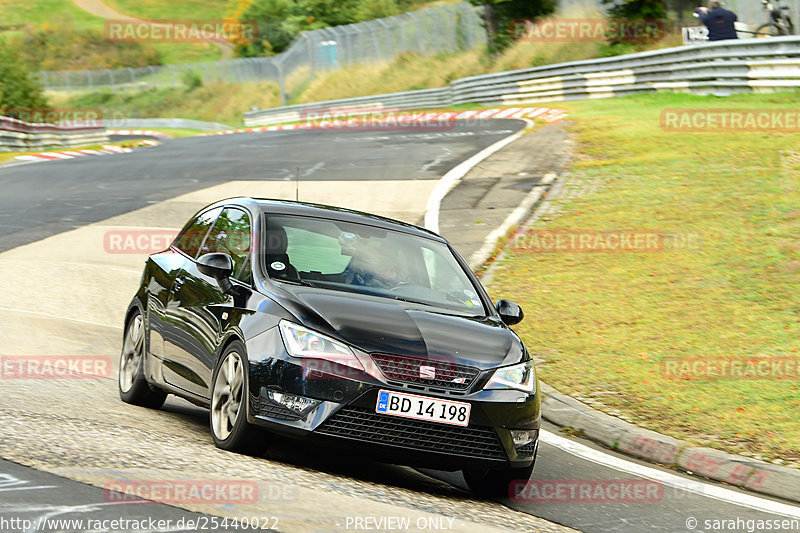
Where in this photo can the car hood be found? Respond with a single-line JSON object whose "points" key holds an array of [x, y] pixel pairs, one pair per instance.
{"points": [[381, 325]]}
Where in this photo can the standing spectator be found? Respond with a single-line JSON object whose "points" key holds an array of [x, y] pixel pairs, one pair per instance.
{"points": [[719, 22]]}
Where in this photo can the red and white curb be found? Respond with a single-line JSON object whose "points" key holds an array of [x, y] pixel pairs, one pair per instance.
{"points": [[546, 114], [71, 154], [148, 133]]}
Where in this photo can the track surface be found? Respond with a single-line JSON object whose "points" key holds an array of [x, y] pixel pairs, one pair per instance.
{"points": [[81, 430], [60, 195]]}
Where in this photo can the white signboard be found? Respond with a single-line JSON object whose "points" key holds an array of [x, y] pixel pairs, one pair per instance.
{"points": [[694, 34]]}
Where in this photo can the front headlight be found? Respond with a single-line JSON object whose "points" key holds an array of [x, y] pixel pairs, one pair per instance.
{"points": [[521, 377], [305, 343]]}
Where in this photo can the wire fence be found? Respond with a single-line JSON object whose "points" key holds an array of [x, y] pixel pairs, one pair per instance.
{"points": [[449, 28]]}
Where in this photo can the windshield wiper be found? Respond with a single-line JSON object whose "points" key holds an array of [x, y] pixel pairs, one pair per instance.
{"points": [[409, 300], [302, 282]]}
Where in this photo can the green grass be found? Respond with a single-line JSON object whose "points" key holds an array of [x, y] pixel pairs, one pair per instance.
{"points": [[603, 322], [180, 9], [46, 12], [50, 14], [218, 102], [178, 132]]}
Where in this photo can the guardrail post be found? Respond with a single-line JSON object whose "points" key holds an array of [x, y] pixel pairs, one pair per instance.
{"points": [[434, 31], [310, 52], [419, 29], [389, 52], [281, 86]]}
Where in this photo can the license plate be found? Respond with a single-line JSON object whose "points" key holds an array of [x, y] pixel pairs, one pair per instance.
{"points": [[423, 408]]}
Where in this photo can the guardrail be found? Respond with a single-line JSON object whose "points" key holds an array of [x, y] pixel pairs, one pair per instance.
{"points": [[19, 136], [720, 68], [156, 123]]}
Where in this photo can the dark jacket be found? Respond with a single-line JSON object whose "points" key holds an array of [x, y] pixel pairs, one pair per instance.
{"points": [[719, 22]]}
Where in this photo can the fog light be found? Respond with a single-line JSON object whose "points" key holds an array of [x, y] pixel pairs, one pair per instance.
{"points": [[300, 404], [521, 437]]}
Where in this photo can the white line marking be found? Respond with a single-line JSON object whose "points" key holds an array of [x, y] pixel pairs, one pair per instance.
{"points": [[58, 317], [449, 180], [703, 489], [513, 219]]}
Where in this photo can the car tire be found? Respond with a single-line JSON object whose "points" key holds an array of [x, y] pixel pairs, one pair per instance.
{"points": [[495, 483], [133, 387], [228, 417]]}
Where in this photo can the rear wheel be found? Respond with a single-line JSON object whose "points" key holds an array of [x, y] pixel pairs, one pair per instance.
{"points": [[229, 425], [495, 483], [133, 387]]}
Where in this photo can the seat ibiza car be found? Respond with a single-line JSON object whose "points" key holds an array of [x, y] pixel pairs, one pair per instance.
{"points": [[318, 322]]}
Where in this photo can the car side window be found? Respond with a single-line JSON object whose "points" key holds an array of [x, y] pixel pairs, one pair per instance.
{"points": [[440, 272], [231, 235], [192, 235]]}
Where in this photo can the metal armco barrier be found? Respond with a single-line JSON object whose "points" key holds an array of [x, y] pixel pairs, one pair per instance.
{"points": [[19, 136], [720, 68]]}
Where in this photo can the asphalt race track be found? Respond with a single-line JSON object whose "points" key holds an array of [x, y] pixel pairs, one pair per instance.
{"points": [[65, 294]]}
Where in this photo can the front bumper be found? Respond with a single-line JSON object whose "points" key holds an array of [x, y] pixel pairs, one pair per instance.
{"points": [[346, 415]]}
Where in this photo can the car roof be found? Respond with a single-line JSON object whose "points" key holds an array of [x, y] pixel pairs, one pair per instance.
{"points": [[289, 207]]}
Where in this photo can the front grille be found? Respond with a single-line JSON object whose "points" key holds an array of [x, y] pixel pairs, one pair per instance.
{"points": [[270, 409], [407, 370], [364, 425], [527, 449]]}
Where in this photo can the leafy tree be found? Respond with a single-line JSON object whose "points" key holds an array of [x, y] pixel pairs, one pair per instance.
{"points": [[499, 15], [636, 9], [17, 88], [279, 21]]}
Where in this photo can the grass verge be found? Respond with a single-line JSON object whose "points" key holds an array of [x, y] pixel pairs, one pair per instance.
{"points": [[605, 324], [217, 102]]}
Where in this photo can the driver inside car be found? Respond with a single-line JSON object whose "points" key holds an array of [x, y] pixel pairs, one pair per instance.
{"points": [[376, 267]]}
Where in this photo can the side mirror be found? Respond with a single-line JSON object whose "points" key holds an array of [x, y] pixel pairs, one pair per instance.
{"points": [[219, 267], [509, 312]]}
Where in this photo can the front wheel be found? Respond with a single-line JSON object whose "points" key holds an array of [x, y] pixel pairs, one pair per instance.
{"points": [[229, 425], [495, 483], [133, 387], [771, 30]]}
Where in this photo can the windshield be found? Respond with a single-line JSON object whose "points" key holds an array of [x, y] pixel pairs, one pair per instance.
{"points": [[368, 260]]}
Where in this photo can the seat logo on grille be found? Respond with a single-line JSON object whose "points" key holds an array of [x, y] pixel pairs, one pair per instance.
{"points": [[427, 372]]}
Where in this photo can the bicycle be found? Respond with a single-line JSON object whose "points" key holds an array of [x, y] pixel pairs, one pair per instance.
{"points": [[780, 23]]}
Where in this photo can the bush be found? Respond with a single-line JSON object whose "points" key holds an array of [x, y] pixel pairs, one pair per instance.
{"points": [[45, 47], [192, 80], [17, 88]]}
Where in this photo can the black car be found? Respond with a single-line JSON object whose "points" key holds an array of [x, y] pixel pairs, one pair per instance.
{"points": [[318, 322]]}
